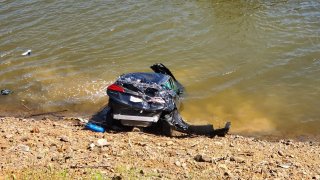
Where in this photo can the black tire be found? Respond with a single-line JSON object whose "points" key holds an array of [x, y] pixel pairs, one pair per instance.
{"points": [[115, 124], [165, 128], [109, 119]]}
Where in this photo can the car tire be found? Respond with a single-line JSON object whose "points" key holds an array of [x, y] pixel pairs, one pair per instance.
{"points": [[116, 124], [109, 119], [165, 128]]}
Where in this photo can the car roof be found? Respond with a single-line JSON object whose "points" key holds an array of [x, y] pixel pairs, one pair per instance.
{"points": [[144, 77]]}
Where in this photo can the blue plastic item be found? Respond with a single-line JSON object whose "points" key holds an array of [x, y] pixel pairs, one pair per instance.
{"points": [[94, 127]]}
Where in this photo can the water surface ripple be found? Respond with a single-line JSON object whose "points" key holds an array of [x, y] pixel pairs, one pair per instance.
{"points": [[255, 63]]}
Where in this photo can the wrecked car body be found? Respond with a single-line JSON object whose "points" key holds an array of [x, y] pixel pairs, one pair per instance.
{"points": [[151, 99]]}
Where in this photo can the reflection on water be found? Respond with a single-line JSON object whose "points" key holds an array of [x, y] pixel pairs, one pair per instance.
{"points": [[255, 63]]}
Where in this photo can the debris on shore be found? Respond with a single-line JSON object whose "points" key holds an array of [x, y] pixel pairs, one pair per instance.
{"points": [[5, 92]]}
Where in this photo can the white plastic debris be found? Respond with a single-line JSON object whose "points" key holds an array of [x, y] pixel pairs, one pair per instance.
{"points": [[27, 53]]}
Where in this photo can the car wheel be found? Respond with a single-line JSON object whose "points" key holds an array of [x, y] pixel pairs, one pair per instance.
{"points": [[165, 128], [109, 118]]}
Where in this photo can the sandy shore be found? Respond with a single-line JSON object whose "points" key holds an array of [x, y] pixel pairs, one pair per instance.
{"points": [[55, 149]]}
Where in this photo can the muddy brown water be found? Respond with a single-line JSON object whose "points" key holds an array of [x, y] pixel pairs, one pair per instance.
{"points": [[254, 63]]}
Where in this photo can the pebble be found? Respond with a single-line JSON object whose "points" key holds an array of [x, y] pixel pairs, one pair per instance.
{"points": [[64, 138], [317, 177], [184, 165], [223, 166], [91, 146], [202, 158], [117, 177], [68, 156], [53, 147], [228, 174], [178, 163], [24, 139], [218, 143], [54, 158], [169, 143], [237, 159], [102, 142], [280, 153], [23, 147], [8, 136], [40, 156], [35, 130], [285, 166]]}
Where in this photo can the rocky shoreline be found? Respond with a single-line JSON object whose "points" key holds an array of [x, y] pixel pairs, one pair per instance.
{"points": [[54, 149]]}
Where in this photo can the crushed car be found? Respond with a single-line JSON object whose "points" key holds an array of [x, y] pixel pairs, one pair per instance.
{"points": [[152, 99]]}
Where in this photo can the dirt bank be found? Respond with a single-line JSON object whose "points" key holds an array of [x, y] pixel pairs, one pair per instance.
{"points": [[50, 149]]}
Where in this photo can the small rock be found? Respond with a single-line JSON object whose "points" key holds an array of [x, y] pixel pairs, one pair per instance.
{"points": [[227, 174], [184, 165], [169, 143], [285, 166], [18, 131], [64, 139], [317, 177], [68, 156], [8, 136], [53, 147], [280, 153], [102, 142], [117, 177], [105, 155], [3, 147], [201, 158], [289, 142], [91, 146], [223, 166], [231, 145], [141, 172], [218, 143], [237, 159], [23, 147], [54, 158], [178, 163], [40, 156], [35, 130], [45, 118], [24, 139], [142, 144]]}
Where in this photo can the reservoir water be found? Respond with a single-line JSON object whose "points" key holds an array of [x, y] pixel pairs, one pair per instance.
{"points": [[255, 63]]}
